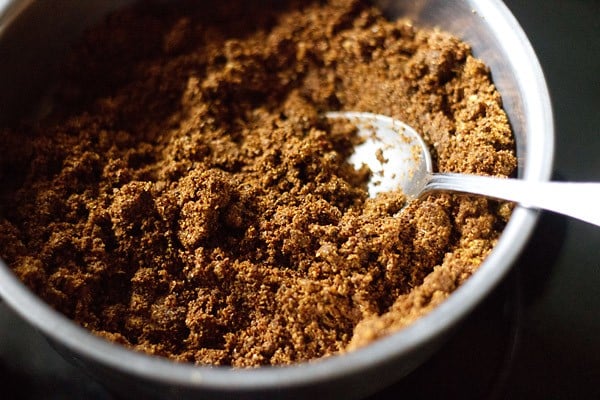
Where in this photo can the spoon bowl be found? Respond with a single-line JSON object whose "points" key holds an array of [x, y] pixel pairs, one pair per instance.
{"points": [[394, 152], [399, 158]]}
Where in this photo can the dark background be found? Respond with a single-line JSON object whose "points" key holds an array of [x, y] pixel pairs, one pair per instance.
{"points": [[560, 349], [538, 335], [559, 354]]}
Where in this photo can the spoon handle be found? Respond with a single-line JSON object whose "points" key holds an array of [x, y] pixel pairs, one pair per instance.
{"points": [[577, 200]]}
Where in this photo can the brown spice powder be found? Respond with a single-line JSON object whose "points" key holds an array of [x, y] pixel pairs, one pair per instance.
{"points": [[186, 199]]}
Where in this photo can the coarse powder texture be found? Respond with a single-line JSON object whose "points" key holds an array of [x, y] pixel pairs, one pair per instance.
{"points": [[186, 198]]}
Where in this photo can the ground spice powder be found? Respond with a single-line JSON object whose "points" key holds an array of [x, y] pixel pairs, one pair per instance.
{"points": [[186, 199]]}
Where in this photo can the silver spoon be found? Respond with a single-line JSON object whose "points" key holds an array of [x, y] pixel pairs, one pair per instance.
{"points": [[398, 158]]}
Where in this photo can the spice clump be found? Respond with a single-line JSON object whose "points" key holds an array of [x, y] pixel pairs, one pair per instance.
{"points": [[186, 199]]}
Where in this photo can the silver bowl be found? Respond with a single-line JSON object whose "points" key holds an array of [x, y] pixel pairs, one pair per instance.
{"points": [[34, 35]]}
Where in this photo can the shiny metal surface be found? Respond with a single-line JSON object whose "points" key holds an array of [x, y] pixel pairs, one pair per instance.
{"points": [[33, 39], [394, 152], [573, 199], [400, 159]]}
